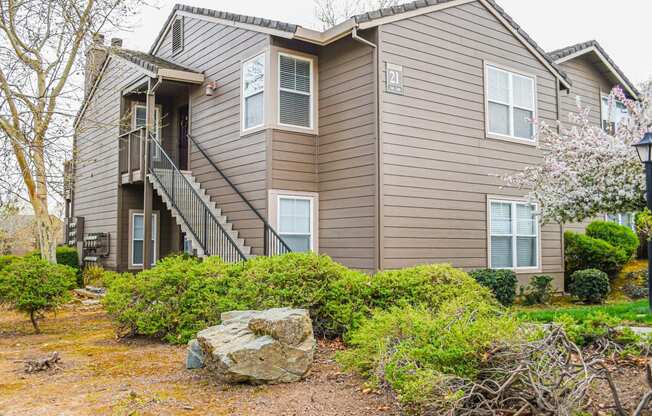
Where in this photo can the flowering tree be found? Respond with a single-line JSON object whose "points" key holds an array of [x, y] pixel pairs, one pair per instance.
{"points": [[587, 171]]}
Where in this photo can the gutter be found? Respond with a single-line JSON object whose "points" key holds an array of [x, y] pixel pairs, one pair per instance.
{"points": [[379, 223]]}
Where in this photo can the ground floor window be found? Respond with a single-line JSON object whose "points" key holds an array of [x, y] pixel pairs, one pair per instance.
{"points": [[514, 235], [137, 233], [626, 219], [295, 222]]}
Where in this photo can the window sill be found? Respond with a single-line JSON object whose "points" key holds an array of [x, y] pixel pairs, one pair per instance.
{"points": [[252, 130], [523, 270], [513, 139], [295, 129]]}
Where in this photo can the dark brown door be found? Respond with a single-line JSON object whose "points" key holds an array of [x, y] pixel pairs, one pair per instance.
{"points": [[183, 138]]}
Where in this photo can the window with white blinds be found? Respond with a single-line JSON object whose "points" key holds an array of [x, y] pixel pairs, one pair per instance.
{"points": [[514, 235], [253, 92], [295, 91], [295, 222], [511, 104]]}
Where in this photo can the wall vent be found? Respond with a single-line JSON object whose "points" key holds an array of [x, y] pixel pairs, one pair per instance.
{"points": [[177, 35]]}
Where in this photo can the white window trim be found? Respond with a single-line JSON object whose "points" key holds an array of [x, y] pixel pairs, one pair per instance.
{"points": [[274, 212], [510, 72], [156, 247], [604, 96], [514, 201], [279, 89], [632, 215], [243, 128]]}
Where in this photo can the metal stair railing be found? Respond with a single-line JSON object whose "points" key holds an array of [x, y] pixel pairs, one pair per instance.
{"points": [[273, 244], [213, 239]]}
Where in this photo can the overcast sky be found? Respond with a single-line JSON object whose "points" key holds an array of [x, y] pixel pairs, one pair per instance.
{"points": [[619, 26]]}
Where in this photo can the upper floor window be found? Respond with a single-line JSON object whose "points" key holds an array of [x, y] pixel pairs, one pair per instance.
{"points": [[295, 91], [514, 230], [253, 87], [511, 103], [612, 114], [139, 119], [624, 218]]}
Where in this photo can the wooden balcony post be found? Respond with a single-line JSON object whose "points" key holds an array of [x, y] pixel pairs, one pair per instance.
{"points": [[147, 186]]}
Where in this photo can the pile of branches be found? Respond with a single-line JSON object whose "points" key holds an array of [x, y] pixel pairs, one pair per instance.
{"points": [[43, 364], [549, 376]]}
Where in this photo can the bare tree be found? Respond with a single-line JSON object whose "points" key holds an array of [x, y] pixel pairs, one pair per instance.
{"points": [[332, 12], [41, 46]]}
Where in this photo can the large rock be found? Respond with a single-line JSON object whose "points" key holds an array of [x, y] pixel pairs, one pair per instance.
{"points": [[271, 346]]}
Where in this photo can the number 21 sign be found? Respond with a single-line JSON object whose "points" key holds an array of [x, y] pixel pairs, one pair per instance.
{"points": [[394, 78]]}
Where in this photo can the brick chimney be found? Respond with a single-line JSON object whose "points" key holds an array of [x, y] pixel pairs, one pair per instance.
{"points": [[95, 56]]}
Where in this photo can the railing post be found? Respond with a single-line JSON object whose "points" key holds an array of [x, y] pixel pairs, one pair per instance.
{"points": [[206, 229], [130, 168], [265, 238]]}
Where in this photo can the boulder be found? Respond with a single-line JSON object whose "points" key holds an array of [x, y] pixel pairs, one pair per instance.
{"points": [[270, 346], [195, 357]]}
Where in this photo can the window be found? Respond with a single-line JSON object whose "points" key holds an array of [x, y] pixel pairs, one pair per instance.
{"points": [[626, 219], [177, 35], [253, 86], [140, 120], [295, 91], [138, 237], [612, 114], [514, 235], [511, 104], [295, 222]]}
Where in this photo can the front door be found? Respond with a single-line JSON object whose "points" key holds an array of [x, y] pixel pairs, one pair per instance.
{"points": [[183, 138]]}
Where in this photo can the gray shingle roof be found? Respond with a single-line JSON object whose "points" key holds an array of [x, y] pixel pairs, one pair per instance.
{"points": [[579, 47], [418, 4], [147, 61]]}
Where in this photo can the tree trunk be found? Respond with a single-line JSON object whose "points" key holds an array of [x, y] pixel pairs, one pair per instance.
{"points": [[46, 234], [34, 319]]}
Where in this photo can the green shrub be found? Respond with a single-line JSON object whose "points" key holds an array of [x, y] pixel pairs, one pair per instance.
{"points": [[583, 252], [414, 350], [93, 275], [66, 256], [355, 295], [33, 286], [7, 260], [590, 286], [501, 282], [617, 235], [539, 291]]}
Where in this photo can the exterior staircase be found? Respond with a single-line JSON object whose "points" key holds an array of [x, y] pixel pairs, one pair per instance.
{"points": [[181, 205]]}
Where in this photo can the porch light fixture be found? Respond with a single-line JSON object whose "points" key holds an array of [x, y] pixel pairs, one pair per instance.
{"points": [[210, 88], [644, 150]]}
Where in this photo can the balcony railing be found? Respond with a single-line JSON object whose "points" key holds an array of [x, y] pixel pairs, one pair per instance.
{"points": [[131, 152]]}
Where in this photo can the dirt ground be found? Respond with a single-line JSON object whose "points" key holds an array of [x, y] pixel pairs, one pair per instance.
{"points": [[102, 376]]}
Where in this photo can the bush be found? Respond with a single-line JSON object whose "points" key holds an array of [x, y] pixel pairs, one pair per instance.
{"points": [[539, 291], [590, 286], [93, 275], [415, 350], [7, 260], [501, 282], [617, 235], [583, 252], [33, 286], [66, 256], [354, 295]]}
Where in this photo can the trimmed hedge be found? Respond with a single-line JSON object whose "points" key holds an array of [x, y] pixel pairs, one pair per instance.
{"points": [[617, 235], [180, 296], [501, 282], [590, 286], [584, 252]]}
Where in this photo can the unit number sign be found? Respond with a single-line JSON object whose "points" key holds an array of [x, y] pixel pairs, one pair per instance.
{"points": [[394, 78]]}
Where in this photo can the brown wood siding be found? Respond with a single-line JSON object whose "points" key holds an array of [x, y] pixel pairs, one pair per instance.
{"points": [[347, 154], [294, 165], [217, 50], [96, 175], [438, 165], [588, 85]]}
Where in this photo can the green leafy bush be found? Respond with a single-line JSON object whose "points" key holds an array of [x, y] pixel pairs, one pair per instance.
{"points": [[33, 286], [355, 295], [414, 350], [582, 252], [539, 291], [7, 260], [590, 286], [67, 256], [617, 235], [501, 282]]}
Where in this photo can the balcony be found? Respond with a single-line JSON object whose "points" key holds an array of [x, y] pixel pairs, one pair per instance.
{"points": [[132, 155]]}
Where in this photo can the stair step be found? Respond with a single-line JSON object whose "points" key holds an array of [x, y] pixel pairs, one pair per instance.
{"points": [[217, 213]]}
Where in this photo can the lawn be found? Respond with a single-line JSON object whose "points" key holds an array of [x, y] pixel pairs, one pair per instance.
{"points": [[635, 313]]}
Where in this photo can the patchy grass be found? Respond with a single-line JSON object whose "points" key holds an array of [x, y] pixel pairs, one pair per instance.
{"points": [[623, 279], [634, 313], [101, 375]]}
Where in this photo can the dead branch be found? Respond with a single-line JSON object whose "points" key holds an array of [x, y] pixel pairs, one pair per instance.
{"points": [[43, 364]]}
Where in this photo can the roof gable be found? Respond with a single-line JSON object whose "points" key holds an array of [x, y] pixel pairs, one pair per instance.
{"points": [[593, 47]]}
